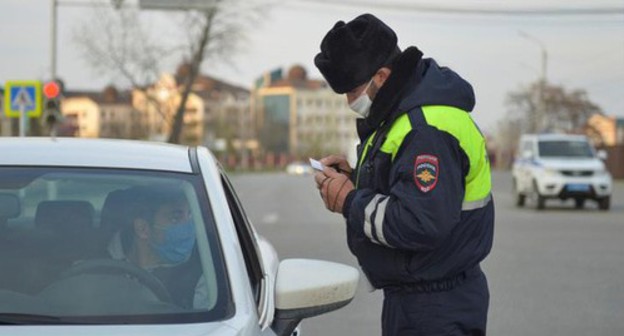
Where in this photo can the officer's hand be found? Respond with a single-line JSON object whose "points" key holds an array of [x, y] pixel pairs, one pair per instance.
{"points": [[334, 188], [338, 162]]}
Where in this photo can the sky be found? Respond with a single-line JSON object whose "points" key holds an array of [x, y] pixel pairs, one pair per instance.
{"points": [[495, 53]]}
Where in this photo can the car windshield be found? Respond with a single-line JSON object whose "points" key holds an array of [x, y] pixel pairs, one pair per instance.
{"points": [[565, 148], [82, 245]]}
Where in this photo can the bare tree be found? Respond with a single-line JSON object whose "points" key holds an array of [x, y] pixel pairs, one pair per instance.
{"points": [[113, 44], [523, 108], [117, 42], [546, 107], [507, 137]]}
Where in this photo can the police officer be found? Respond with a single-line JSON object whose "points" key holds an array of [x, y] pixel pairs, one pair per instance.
{"points": [[418, 205]]}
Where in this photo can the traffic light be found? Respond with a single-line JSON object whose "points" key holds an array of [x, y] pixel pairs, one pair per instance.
{"points": [[52, 92]]}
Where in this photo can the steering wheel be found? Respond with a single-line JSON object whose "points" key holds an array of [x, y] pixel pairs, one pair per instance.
{"points": [[120, 267]]}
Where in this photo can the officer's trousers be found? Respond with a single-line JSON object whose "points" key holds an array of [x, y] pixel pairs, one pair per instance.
{"points": [[461, 310]]}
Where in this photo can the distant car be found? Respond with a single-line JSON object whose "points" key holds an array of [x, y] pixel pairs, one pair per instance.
{"points": [[560, 166], [299, 168], [62, 203]]}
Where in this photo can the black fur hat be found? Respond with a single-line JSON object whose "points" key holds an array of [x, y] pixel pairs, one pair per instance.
{"points": [[352, 52]]}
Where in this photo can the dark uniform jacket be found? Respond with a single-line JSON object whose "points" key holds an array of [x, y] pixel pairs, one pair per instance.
{"points": [[422, 210]]}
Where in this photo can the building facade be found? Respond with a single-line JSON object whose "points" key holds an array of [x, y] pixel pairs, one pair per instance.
{"points": [[605, 130], [118, 118], [227, 117], [325, 124], [158, 105], [214, 112], [302, 117], [81, 116], [103, 114]]}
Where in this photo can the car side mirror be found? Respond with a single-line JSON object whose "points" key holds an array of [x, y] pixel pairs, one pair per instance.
{"points": [[602, 154], [306, 288]]}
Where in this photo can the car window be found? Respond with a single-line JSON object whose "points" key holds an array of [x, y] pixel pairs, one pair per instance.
{"points": [[565, 148], [109, 246]]}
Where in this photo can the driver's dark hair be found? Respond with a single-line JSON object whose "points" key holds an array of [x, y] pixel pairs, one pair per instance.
{"points": [[149, 199], [146, 200]]}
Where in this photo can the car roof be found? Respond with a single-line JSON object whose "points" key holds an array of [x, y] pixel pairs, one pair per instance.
{"points": [[105, 153], [554, 137]]}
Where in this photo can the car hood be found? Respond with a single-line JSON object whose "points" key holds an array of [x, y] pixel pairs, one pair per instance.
{"points": [[189, 329], [571, 164]]}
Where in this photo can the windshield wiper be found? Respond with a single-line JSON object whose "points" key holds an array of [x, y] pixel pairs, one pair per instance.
{"points": [[22, 319]]}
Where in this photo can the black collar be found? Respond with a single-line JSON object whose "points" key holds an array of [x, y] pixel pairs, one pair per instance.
{"points": [[384, 107]]}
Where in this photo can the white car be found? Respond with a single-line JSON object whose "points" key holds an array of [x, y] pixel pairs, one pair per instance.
{"points": [[299, 168], [560, 166], [64, 203]]}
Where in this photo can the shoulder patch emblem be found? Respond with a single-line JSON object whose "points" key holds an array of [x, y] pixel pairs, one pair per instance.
{"points": [[426, 171]]}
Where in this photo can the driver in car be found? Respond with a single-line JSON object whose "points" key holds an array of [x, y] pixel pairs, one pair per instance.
{"points": [[159, 237]]}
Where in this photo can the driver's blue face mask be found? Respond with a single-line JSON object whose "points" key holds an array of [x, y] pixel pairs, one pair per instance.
{"points": [[177, 243]]}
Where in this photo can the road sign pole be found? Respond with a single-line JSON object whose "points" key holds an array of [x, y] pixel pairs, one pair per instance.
{"points": [[22, 121]]}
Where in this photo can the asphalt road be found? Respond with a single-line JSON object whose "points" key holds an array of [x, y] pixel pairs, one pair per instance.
{"points": [[559, 271]]}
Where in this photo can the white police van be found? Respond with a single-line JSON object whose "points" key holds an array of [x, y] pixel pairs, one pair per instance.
{"points": [[560, 166]]}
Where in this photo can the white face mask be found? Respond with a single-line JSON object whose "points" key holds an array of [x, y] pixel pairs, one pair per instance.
{"points": [[362, 104]]}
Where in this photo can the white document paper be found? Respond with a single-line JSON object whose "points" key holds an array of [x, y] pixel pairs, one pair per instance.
{"points": [[316, 164]]}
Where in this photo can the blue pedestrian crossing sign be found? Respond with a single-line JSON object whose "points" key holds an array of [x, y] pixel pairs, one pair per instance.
{"points": [[22, 96]]}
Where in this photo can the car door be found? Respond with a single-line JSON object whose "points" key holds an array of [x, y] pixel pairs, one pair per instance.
{"points": [[260, 258]]}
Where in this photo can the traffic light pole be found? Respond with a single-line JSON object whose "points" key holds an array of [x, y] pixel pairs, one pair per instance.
{"points": [[53, 26], [53, 16]]}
